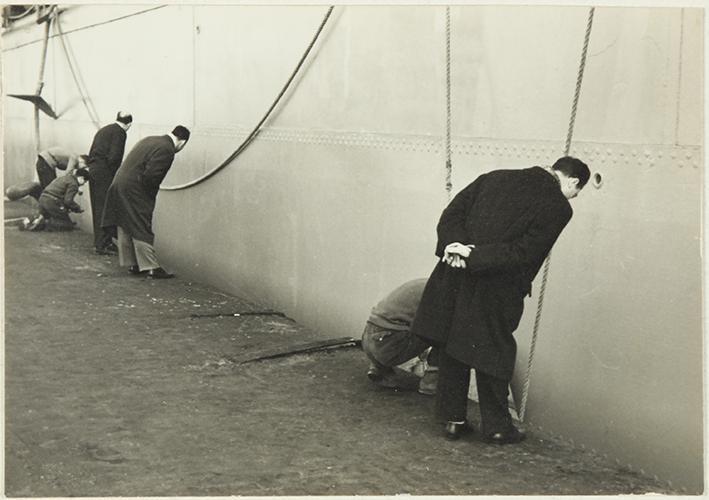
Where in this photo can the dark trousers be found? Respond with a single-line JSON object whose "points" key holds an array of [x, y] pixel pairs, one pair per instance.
{"points": [[56, 213], [100, 181], [46, 175], [388, 348], [452, 395]]}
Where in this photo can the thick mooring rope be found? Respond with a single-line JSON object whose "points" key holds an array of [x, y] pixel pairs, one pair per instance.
{"points": [[545, 272], [257, 128], [449, 164]]}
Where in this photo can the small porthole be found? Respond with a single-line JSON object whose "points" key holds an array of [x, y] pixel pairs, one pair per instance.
{"points": [[597, 180]]}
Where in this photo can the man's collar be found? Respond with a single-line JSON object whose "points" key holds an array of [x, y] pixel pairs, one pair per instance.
{"points": [[553, 173], [173, 139], [122, 125]]}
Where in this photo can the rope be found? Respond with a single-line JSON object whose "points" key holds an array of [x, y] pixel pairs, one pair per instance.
{"points": [[449, 164], [89, 109], [257, 128], [547, 262], [32, 42], [579, 79], [679, 76]]}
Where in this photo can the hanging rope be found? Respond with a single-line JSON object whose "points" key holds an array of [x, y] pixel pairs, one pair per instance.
{"points": [[449, 164], [679, 76], [257, 128], [77, 78], [579, 79], [545, 272]]}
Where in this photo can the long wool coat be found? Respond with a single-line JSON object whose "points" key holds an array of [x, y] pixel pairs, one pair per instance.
{"points": [[513, 217], [105, 157], [106, 150], [130, 200]]}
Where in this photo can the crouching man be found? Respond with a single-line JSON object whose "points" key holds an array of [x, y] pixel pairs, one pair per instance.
{"points": [[57, 200], [388, 342], [48, 162]]}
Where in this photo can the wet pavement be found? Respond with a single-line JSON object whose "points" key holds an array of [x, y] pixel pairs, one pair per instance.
{"points": [[112, 388]]}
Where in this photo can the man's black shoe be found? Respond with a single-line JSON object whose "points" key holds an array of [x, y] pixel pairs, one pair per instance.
{"points": [[512, 436], [135, 270], [159, 274], [453, 430]]}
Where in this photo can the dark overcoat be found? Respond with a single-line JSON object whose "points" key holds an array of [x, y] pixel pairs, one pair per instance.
{"points": [[107, 150], [130, 200], [513, 217], [105, 157]]}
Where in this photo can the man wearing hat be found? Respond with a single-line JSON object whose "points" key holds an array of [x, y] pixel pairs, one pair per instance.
{"points": [[130, 200], [105, 157]]}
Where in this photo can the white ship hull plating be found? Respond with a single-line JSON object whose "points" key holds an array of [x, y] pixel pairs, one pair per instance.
{"points": [[335, 203]]}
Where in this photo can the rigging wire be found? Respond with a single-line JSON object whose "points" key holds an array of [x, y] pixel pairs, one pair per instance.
{"points": [[547, 261], [89, 26], [88, 104], [257, 128]]}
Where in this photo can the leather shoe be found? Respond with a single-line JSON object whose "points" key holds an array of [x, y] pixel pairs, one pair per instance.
{"points": [[36, 224], [453, 430], [159, 274], [429, 382], [135, 270], [514, 435]]}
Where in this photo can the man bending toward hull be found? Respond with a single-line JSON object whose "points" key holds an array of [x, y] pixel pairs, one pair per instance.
{"points": [[492, 239], [130, 200], [105, 157]]}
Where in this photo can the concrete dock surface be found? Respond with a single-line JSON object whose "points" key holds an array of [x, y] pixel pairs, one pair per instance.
{"points": [[112, 388]]}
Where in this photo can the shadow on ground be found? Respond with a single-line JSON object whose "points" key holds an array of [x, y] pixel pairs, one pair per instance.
{"points": [[112, 389]]}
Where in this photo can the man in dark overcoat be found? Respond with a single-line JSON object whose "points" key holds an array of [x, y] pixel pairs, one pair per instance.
{"points": [[492, 239], [105, 157], [130, 200]]}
